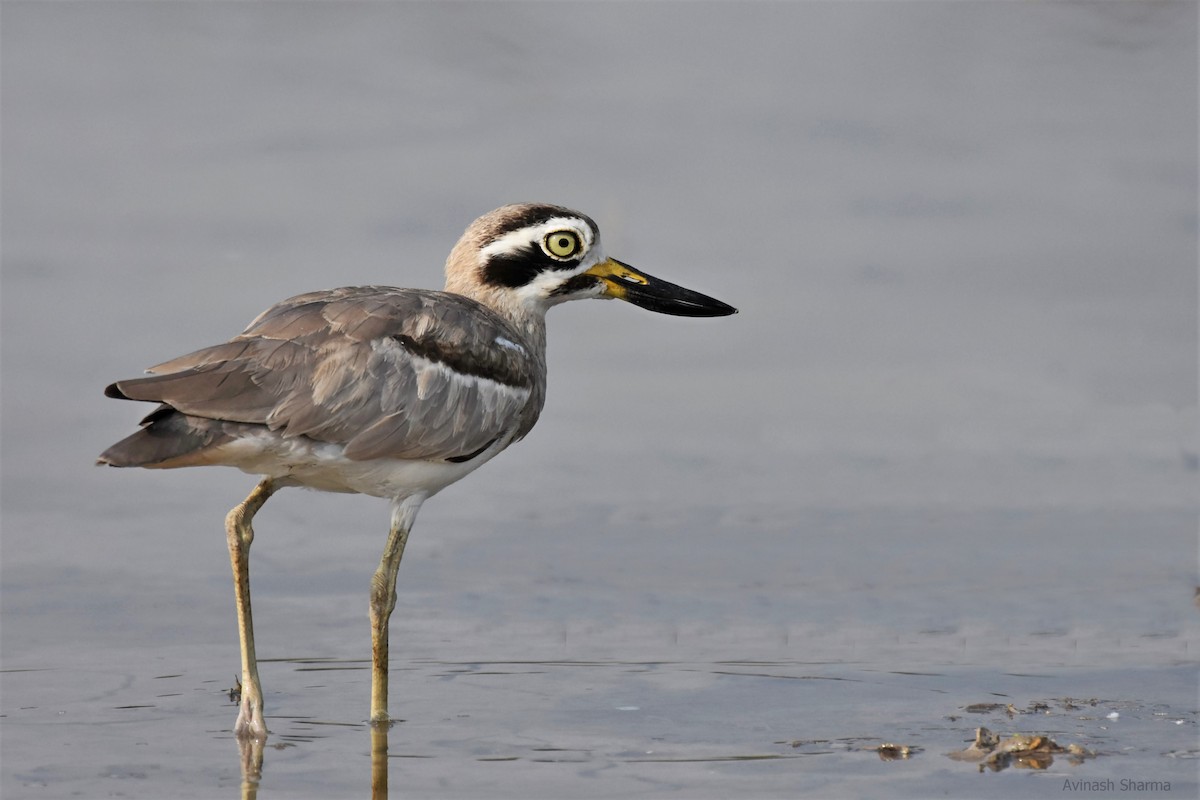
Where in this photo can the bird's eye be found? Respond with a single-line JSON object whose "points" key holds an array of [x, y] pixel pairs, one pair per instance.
{"points": [[562, 244]]}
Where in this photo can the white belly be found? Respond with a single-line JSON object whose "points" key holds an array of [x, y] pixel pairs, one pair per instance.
{"points": [[318, 465]]}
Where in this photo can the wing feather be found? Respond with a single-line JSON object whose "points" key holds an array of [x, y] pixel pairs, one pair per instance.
{"points": [[398, 373]]}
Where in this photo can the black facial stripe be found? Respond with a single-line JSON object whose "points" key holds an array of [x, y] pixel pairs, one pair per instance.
{"points": [[511, 269], [521, 267], [576, 284]]}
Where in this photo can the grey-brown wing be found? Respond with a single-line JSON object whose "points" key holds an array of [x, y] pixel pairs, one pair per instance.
{"points": [[399, 373]]}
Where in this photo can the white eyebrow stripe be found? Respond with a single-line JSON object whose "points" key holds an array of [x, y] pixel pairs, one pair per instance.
{"points": [[515, 241]]}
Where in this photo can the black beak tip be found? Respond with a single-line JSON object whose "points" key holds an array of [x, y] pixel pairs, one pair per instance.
{"points": [[725, 310], [702, 306], [721, 310]]}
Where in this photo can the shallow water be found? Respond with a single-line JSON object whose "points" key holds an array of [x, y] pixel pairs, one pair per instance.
{"points": [[575, 657], [558, 728], [945, 456]]}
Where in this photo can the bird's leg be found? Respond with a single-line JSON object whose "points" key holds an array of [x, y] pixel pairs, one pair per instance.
{"points": [[239, 533], [383, 601]]}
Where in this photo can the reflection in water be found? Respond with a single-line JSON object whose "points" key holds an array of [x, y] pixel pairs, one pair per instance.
{"points": [[251, 752], [1021, 750], [379, 761]]}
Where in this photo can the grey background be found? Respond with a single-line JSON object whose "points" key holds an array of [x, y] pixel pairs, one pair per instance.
{"points": [[959, 403]]}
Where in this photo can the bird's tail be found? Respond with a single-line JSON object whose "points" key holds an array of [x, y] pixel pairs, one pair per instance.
{"points": [[167, 439]]}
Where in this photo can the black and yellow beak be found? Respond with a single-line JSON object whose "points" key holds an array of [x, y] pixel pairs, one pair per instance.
{"points": [[626, 283]]}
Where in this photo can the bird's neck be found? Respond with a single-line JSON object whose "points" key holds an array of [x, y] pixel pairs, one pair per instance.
{"points": [[530, 322], [533, 327]]}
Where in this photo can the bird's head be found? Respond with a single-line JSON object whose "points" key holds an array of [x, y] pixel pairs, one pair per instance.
{"points": [[532, 256]]}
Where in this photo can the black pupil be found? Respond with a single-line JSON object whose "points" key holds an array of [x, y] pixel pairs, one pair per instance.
{"points": [[564, 243]]}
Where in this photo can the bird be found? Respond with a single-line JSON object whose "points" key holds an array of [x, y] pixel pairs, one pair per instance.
{"points": [[383, 391]]}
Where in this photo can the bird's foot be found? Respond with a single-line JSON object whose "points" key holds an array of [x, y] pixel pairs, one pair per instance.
{"points": [[250, 722]]}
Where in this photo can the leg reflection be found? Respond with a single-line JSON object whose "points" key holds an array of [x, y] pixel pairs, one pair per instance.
{"points": [[251, 751], [379, 761], [252, 759]]}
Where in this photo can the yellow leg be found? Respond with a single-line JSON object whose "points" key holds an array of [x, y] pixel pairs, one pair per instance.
{"points": [[239, 533], [383, 601]]}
